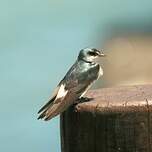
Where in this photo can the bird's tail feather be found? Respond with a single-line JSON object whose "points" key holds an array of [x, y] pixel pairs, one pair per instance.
{"points": [[53, 110], [49, 112], [46, 105], [42, 115], [44, 109]]}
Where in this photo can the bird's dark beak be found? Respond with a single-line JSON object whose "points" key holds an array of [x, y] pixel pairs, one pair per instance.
{"points": [[101, 54]]}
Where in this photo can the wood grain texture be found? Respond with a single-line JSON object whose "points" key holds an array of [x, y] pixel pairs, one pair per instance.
{"points": [[117, 120]]}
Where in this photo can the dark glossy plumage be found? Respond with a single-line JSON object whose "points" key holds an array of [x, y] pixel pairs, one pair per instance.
{"points": [[76, 82]]}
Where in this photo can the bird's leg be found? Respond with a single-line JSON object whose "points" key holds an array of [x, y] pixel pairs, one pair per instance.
{"points": [[83, 99]]}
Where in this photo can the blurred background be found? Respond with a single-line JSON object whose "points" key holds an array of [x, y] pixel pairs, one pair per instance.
{"points": [[40, 40]]}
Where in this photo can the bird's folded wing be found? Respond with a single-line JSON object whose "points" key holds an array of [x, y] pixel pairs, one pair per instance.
{"points": [[51, 99]]}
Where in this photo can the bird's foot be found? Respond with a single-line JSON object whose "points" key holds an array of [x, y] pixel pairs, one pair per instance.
{"points": [[83, 99]]}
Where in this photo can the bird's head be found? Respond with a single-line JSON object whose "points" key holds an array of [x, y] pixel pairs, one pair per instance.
{"points": [[90, 54]]}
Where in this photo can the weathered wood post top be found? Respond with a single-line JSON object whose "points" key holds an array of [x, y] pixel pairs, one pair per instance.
{"points": [[118, 119]]}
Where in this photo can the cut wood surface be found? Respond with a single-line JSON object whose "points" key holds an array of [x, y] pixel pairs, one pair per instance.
{"points": [[118, 119], [118, 99]]}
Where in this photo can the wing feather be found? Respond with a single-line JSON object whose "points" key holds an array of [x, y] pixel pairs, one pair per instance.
{"points": [[72, 86], [51, 99]]}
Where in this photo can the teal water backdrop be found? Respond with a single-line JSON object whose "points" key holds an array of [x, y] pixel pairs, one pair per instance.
{"points": [[39, 40]]}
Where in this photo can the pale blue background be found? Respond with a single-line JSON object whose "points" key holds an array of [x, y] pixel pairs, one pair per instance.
{"points": [[39, 40]]}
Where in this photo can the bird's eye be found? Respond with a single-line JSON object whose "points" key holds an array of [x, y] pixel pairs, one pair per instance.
{"points": [[92, 53]]}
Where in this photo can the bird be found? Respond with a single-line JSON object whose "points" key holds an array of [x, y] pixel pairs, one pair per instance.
{"points": [[72, 88]]}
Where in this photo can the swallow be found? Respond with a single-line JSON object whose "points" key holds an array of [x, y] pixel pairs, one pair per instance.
{"points": [[74, 85]]}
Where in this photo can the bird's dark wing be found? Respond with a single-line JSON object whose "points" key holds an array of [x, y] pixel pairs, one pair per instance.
{"points": [[51, 99], [71, 87], [76, 80], [80, 76]]}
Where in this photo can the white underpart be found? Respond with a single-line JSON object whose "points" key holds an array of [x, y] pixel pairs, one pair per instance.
{"points": [[91, 58], [100, 72], [62, 92], [85, 91]]}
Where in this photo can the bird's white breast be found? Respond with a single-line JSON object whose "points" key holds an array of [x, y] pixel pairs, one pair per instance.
{"points": [[100, 71]]}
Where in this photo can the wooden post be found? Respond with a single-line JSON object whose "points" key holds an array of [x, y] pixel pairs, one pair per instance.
{"points": [[117, 120]]}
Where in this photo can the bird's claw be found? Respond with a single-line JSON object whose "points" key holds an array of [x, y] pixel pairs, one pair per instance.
{"points": [[83, 99]]}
